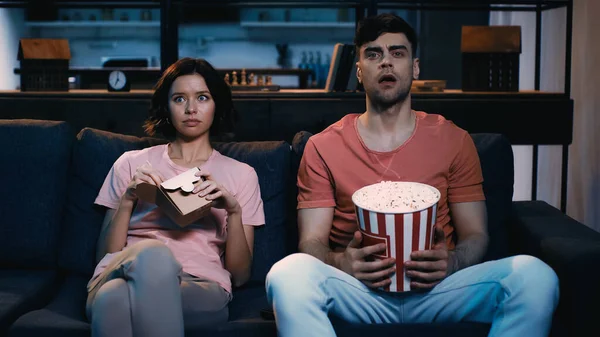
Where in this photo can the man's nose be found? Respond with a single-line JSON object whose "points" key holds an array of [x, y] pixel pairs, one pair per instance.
{"points": [[386, 61]]}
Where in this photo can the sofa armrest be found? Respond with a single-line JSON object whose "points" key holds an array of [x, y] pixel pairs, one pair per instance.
{"points": [[571, 249]]}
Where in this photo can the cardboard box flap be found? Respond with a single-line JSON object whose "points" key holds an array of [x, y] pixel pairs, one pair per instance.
{"points": [[147, 192], [185, 181]]}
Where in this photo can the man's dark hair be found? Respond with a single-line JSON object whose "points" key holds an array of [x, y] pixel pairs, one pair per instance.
{"points": [[370, 28], [224, 117]]}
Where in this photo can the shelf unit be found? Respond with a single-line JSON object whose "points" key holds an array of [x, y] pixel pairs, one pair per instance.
{"points": [[169, 39]]}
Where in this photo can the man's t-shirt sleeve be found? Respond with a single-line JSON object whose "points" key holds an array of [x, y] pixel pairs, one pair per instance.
{"points": [[465, 180], [315, 189]]}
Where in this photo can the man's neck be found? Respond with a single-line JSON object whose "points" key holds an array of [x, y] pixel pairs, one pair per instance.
{"points": [[385, 129]]}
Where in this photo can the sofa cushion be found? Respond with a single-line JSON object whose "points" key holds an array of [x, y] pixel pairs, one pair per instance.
{"points": [[496, 158], [93, 155], [36, 158], [96, 151], [462, 329], [497, 165], [22, 291], [64, 316], [271, 160]]}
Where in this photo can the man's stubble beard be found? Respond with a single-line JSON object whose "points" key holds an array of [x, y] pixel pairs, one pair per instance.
{"points": [[382, 103]]}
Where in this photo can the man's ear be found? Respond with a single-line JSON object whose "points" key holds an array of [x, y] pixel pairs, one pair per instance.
{"points": [[358, 73], [416, 69]]}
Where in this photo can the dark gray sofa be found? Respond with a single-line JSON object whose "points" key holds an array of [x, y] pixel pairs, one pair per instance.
{"points": [[49, 227]]}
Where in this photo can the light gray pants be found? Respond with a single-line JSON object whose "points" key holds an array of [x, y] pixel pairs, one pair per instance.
{"points": [[143, 292]]}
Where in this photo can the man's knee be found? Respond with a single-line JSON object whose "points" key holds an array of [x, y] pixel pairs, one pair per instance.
{"points": [[293, 270], [536, 279], [155, 258]]}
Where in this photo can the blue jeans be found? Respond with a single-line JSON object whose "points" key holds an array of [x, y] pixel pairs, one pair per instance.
{"points": [[517, 295]]}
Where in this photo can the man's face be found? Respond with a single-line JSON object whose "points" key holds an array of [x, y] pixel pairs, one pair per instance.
{"points": [[386, 68]]}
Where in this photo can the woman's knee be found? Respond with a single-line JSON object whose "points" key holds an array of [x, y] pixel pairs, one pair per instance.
{"points": [[155, 258], [112, 296]]}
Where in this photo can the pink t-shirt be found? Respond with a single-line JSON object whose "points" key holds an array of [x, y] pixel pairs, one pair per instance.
{"points": [[200, 246]]}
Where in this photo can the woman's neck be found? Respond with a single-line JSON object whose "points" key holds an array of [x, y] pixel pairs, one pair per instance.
{"points": [[190, 153]]}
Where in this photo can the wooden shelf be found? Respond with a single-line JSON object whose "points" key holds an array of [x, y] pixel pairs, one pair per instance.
{"points": [[300, 94], [259, 24], [93, 24]]}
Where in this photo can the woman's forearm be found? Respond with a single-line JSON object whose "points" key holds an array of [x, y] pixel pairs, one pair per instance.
{"points": [[113, 235], [238, 258]]}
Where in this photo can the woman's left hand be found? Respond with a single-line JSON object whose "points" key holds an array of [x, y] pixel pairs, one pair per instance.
{"points": [[215, 192]]}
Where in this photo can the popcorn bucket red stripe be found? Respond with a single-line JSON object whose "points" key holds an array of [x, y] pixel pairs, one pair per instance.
{"points": [[429, 217], [415, 231], [398, 279], [381, 225]]}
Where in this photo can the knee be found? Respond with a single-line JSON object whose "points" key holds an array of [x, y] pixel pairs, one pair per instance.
{"points": [[154, 258], [536, 280], [113, 296], [292, 272]]}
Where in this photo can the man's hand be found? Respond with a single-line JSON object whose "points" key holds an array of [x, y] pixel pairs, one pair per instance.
{"points": [[374, 274], [427, 268]]}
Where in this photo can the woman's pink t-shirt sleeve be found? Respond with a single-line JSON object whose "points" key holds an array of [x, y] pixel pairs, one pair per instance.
{"points": [[250, 200], [115, 183]]}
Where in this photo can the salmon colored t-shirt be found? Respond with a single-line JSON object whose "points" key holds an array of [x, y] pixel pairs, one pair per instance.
{"points": [[200, 246], [336, 163]]}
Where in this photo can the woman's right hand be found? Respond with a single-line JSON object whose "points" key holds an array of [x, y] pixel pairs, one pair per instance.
{"points": [[144, 174]]}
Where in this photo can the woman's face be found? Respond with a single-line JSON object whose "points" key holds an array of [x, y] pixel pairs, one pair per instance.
{"points": [[191, 106]]}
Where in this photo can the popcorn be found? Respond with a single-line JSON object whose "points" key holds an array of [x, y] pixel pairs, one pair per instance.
{"points": [[396, 197]]}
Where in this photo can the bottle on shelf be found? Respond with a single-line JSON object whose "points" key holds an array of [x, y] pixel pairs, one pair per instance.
{"points": [[312, 79]]}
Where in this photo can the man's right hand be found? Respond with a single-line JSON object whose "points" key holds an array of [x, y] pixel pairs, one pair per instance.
{"points": [[374, 274], [143, 174]]}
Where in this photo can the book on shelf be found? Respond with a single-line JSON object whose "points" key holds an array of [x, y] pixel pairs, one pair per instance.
{"points": [[342, 69]]}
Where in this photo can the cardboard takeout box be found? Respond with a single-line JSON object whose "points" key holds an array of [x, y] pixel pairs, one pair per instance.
{"points": [[174, 197]]}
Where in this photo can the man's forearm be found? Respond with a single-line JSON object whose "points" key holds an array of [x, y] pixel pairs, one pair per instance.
{"points": [[468, 252], [319, 250]]}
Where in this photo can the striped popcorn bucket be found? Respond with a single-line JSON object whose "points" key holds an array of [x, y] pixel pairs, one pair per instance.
{"points": [[403, 228]]}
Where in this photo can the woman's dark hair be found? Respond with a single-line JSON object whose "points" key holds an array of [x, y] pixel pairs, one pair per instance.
{"points": [[370, 28], [225, 115]]}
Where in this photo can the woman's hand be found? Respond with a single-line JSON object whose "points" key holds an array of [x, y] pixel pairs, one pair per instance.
{"points": [[215, 192], [144, 174]]}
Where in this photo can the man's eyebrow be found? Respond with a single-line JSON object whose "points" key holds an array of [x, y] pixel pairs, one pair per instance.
{"points": [[399, 46], [373, 49]]}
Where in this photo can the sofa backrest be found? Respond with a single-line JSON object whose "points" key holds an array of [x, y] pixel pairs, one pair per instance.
{"points": [[496, 157], [95, 152], [35, 164]]}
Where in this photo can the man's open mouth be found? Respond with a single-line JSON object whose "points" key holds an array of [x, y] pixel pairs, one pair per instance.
{"points": [[387, 79]]}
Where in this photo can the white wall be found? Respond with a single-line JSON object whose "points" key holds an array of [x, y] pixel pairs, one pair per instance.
{"points": [[551, 79], [13, 28], [584, 158], [583, 192]]}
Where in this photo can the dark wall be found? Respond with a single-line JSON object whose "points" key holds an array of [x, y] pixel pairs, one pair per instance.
{"points": [[440, 37], [273, 118]]}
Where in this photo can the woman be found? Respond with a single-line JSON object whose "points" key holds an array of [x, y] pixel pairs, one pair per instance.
{"points": [[154, 277]]}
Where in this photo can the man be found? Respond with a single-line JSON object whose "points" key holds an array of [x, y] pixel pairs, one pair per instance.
{"points": [[390, 141]]}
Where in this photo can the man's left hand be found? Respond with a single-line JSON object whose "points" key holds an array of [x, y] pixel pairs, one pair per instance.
{"points": [[427, 268]]}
